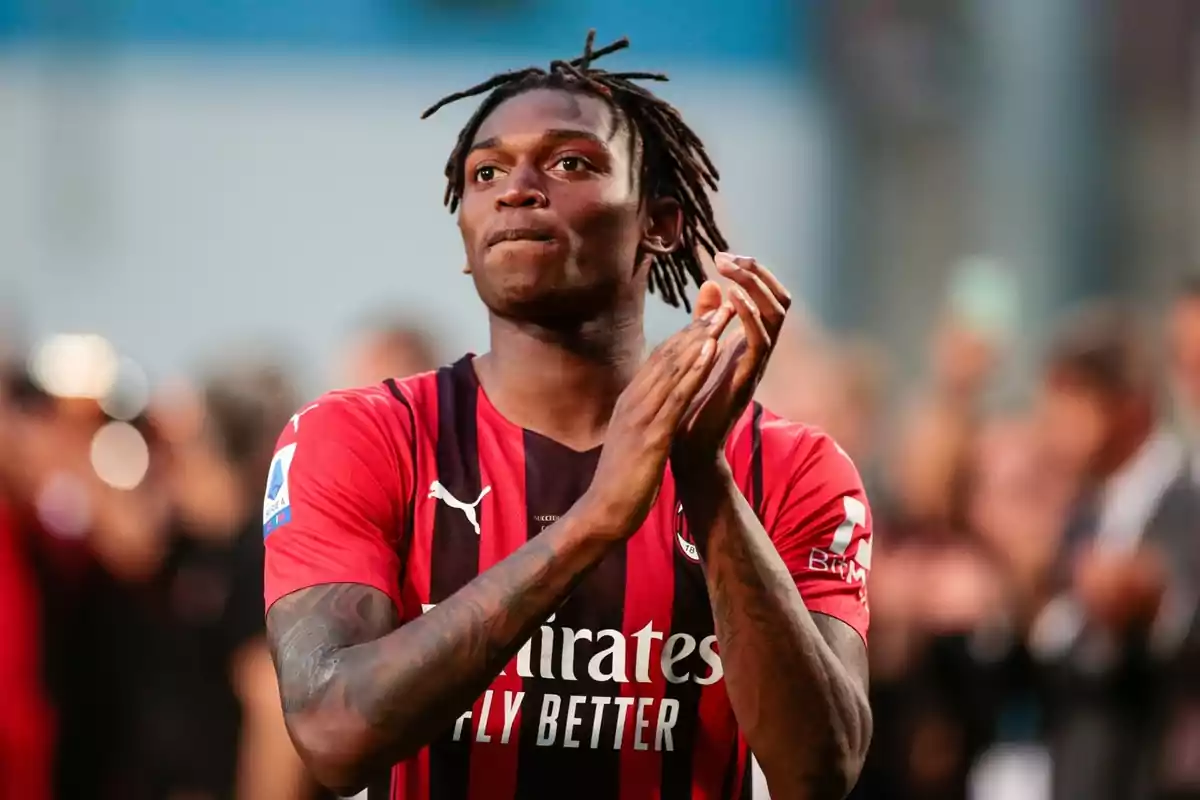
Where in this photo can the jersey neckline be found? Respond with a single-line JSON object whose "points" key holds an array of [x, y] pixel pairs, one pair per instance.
{"points": [[465, 368]]}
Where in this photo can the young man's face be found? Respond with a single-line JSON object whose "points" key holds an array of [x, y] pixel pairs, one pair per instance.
{"points": [[551, 216]]}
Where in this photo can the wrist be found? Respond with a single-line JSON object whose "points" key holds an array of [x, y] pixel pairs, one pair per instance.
{"points": [[610, 519], [703, 473]]}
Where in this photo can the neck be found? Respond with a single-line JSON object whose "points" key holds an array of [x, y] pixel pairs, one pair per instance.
{"points": [[562, 383]]}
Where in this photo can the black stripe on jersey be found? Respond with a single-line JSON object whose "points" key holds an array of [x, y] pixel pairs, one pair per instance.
{"points": [[748, 778], [555, 477], [756, 459], [731, 772], [405, 543], [691, 613], [381, 788], [454, 552]]}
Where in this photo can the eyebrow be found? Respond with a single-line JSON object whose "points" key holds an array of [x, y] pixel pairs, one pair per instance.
{"points": [[554, 135]]}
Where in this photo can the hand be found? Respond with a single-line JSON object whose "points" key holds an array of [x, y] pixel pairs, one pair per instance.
{"points": [[644, 422], [761, 303]]}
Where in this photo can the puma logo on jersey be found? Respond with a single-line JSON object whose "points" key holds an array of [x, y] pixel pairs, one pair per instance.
{"points": [[438, 492]]}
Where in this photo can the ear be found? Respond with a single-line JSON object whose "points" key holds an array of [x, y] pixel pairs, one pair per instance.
{"points": [[663, 226]]}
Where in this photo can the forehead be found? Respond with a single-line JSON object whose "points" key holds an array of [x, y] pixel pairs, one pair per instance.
{"points": [[531, 114]]}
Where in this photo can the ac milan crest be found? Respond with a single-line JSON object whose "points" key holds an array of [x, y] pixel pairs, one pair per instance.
{"points": [[683, 537]]}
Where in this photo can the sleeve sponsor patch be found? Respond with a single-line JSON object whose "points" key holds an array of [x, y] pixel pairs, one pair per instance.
{"points": [[277, 504]]}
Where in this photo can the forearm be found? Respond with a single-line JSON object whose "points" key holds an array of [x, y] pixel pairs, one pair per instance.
{"points": [[379, 702], [804, 715]]}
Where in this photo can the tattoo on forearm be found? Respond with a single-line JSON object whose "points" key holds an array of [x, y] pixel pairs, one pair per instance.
{"points": [[338, 649], [308, 629]]}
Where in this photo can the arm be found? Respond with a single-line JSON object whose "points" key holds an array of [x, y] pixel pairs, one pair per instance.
{"points": [[360, 694], [797, 680]]}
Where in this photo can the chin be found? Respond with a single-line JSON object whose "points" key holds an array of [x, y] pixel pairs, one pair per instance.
{"points": [[541, 283], [552, 304]]}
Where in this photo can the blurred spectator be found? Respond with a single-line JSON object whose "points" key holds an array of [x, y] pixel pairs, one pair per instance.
{"points": [[929, 463], [204, 708], [1128, 546], [1178, 763], [25, 713], [1017, 506], [832, 383], [1184, 345], [75, 532], [935, 588], [387, 348]]}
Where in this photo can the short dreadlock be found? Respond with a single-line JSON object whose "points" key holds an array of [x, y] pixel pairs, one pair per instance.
{"points": [[674, 161]]}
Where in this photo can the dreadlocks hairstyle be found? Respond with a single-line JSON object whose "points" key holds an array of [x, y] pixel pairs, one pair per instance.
{"points": [[674, 161]]}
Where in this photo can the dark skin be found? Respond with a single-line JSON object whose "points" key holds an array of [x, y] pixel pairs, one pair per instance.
{"points": [[555, 173]]}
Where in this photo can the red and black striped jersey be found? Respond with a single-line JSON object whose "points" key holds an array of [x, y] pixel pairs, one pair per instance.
{"points": [[415, 487]]}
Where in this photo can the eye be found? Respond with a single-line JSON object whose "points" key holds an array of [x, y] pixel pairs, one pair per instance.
{"points": [[572, 164], [485, 174]]}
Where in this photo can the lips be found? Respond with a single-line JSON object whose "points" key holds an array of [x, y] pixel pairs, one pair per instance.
{"points": [[521, 235]]}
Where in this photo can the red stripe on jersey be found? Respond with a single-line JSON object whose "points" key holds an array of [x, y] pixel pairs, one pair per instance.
{"points": [[745, 769], [650, 584], [502, 467], [743, 450], [414, 589], [689, 651], [711, 752]]}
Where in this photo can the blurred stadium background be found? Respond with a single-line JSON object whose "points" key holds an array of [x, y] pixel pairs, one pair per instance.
{"points": [[210, 211]]}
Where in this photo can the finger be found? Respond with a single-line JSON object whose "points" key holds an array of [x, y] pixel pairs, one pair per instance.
{"points": [[758, 341], [679, 398], [771, 310], [708, 299], [773, 284], [667, 350], [720, 319], [675, 355], [668, 370], [725, 365], [662, 377]]}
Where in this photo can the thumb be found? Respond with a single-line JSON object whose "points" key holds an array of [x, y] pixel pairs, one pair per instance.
{"points": [[708, 299]]}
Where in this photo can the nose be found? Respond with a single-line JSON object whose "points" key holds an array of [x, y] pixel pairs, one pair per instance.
{"points": [[522, 191]]}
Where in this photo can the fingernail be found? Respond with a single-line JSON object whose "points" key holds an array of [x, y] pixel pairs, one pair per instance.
{"points": [[707, 349], [709, 315]]}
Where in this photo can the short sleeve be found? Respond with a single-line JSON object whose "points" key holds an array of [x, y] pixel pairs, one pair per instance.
{"points": [[816, 512], [334, 503]]}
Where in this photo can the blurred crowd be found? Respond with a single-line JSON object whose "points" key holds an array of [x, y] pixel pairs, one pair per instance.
{"points": [[1035, 573], [133, 664], [1034, 584]]}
